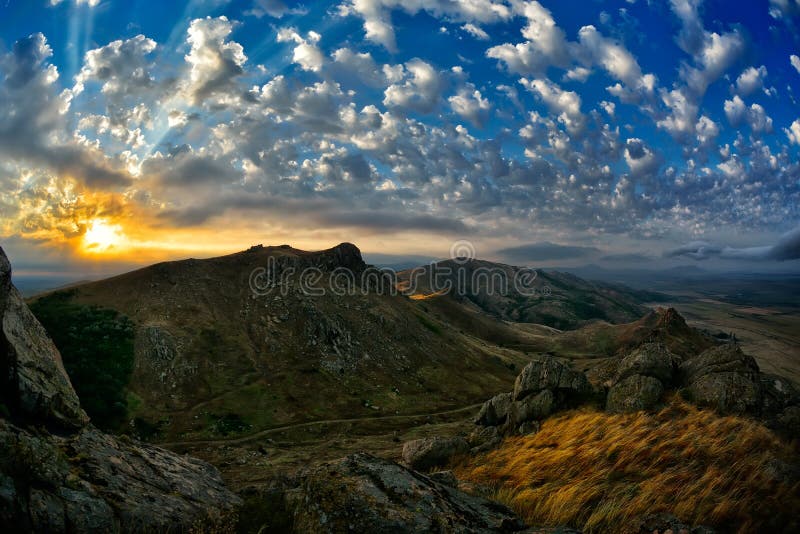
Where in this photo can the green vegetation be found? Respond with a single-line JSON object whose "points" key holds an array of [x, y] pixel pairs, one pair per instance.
{"points": [[96, 346]]}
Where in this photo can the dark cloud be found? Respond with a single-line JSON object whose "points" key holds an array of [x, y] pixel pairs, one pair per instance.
{"points": [[627, 258], [786, 248], [545, 251]]}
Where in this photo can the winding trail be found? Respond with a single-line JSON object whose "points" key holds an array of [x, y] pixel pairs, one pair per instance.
{"points": [[261, 433]]}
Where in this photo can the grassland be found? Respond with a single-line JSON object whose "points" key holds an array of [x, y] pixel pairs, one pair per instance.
{"points": [[599, 472]]}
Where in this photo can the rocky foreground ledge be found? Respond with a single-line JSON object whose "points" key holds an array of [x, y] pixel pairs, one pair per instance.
{"points": [[58, 473]]}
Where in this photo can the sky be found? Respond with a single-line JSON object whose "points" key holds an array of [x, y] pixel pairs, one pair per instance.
{"points": [[622, 133]]}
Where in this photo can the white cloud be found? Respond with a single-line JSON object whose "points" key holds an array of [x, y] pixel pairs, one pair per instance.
{"points": [[755, 116], [615, 59], [793, 132], [795, 61], [565, 104], [476, 31], [306, 54], [418, 89], [90, 3], [275, 9], [377, 18], [545, 45], [469, 103], [751, 80], [214, 62]]}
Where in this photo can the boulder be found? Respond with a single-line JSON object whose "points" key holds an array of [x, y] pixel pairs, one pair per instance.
{"points": [[362, 493], [634, 393], [724, 378], [546, 372], [494, 412], [532, 408], [650, 359], [426, 453], [719, 359]]}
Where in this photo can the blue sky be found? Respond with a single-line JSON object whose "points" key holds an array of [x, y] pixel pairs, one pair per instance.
{"points": [[572, 131]]}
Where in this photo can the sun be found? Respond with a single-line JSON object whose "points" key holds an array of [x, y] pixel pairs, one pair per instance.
{"points": [[102, 236]]}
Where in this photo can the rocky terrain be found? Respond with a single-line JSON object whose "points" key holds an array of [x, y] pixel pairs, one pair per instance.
{"points": [[378, 411], [60, 474]]}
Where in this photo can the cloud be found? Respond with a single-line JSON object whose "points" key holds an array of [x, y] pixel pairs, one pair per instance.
{"points": [[795, 62], [751, 80], [469, 103], [755, 116], [274, 8], [545, 251], [306, 54], [640, 159], [786, 248], [377, 18], [793, 132], [419, 88], [616, 60], [545, 45], [565, 104], [475, 31], [215, 63], [123, 67]]}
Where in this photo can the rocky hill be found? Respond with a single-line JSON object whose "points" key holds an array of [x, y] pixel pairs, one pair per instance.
{"points": [[58, 473], [522, 295], [211, 357]]}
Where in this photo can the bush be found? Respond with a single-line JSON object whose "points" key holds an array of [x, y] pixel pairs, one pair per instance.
{"points": [[96, 346]]}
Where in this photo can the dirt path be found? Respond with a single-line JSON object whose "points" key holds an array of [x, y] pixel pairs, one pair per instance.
{"points": [[261, 433]]}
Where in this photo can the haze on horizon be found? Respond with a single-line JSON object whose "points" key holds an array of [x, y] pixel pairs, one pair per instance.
{"points": [[627, 133]]}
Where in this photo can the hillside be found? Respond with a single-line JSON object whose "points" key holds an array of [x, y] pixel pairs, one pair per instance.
{"points": [[211, 358], [521, 295]]}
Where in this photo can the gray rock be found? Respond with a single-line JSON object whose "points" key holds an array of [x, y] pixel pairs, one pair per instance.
{"points": [[724, 378], [484, 438], [650, 359], [494, 412], [637, 392], [532, 408], [446, 478], [36, 386], [423, 454], [720, 359], [546, 372], [46, 512], [362, 493]]}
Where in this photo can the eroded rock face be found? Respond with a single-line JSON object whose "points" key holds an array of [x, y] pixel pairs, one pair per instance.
{"points": [[634, 393], [362, 493], [546, 372], [494, 412], [724, 378], [650, 359], [35, 385], [79, 479]]}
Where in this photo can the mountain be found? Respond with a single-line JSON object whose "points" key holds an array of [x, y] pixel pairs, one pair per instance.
{"points": [[551, 298], [211, 357]]}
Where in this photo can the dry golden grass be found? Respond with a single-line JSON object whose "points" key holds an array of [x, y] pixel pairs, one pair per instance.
{"points": [[599, 472]]}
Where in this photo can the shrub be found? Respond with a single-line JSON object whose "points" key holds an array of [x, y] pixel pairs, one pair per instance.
{"points": [[96, 346]]}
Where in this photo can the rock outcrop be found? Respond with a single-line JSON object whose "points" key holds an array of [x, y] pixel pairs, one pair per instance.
{"points": [[544, 386], [60, 474], [362, 493], [641, 378]]}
